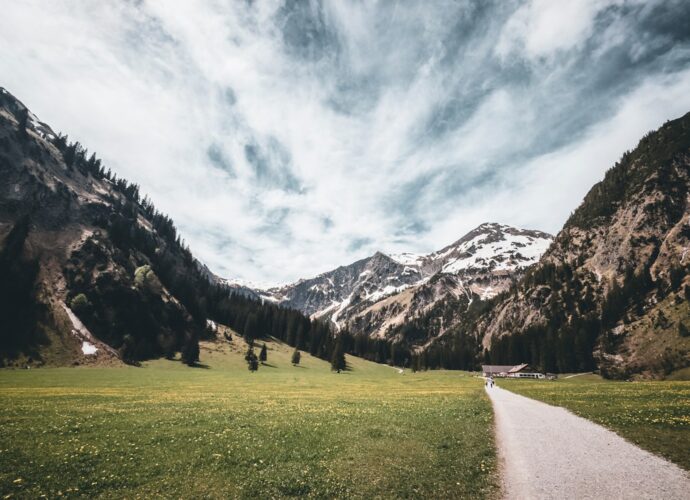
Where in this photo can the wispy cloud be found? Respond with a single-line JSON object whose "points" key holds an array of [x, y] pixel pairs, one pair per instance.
{"points": [[286, 138]]}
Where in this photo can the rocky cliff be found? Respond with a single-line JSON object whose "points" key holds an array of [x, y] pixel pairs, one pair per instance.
{"points": [[612, 291]]}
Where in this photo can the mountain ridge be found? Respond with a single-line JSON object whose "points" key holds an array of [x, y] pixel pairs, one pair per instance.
{"points": [[88, 266], [92, 273], [612, 291], [486, 258]]}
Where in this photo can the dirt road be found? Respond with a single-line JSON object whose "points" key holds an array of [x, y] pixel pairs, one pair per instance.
{"points": [[548, 452]]}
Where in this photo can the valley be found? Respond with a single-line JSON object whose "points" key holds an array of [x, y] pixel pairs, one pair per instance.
{"points": [[93, 264], [221, 431], [332, 250]]}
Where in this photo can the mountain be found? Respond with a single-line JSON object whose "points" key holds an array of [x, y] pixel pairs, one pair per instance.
{"points": [[612, 291], [91, 272], [378, 294]]}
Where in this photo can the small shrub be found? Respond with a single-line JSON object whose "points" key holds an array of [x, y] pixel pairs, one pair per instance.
{"points": [[80, 304], [146, 279]]}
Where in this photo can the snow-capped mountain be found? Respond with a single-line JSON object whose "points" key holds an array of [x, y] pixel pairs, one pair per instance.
{"points": [[388, 289]]}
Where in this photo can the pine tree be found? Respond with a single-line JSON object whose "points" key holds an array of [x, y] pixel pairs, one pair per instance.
{"points": [[296, 356], [252, 360], [338, 362], [291, 331], [251, 329], [263, 355], [23, 124], [190, 350], [299, 340], [19, 307]]}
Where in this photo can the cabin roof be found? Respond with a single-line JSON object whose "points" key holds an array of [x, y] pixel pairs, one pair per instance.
{"points": [[497, 368], [504, 368]]}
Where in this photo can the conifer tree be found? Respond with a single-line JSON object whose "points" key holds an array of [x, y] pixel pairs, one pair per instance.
{"points": [[252, 360], [23, 123], [190, 350], [338, 362], [296, 356], [263, 355], [251, 329], [299, 340], [291, 331]]}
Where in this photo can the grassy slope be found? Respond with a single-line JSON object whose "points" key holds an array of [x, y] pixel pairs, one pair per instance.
{"points": [[222, 431], [654, 415]]}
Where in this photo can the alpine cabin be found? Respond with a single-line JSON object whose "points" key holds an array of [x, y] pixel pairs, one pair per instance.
{"points": [[511, 371]]}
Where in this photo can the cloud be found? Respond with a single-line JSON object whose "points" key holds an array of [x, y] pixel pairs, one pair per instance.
{"points": [[286, 138], [541, 28]]}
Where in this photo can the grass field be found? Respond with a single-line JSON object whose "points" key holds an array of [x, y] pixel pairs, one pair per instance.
{"points": [[654, 415], [221, 431]]}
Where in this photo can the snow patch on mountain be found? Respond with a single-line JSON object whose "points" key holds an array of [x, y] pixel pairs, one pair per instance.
{"points": [[512, 252], [481, 263], [407, 259], [385, 292]]}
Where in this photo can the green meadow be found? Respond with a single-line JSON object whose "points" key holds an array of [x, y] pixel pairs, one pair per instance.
{"points": [[219, 431], [653, 415]]}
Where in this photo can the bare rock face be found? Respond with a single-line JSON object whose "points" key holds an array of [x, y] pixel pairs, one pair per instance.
{"points": [[382, 292], [612, 291]]}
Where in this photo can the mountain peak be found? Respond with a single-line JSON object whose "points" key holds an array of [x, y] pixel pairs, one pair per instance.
{"points": [[18, 108], [496, 247]]}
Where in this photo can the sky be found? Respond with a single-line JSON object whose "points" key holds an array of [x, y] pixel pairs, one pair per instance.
{"points": [[286, 138]]}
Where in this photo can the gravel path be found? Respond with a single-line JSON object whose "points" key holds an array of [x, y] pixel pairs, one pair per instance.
{"points": [[548, 452]]}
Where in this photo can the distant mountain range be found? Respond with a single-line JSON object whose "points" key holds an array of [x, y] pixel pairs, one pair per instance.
{"points": [[378, 293]]}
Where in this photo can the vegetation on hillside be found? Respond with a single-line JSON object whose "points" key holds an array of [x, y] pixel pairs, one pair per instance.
{"points": [[21, 310], [648, 166], [132, 281]]}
